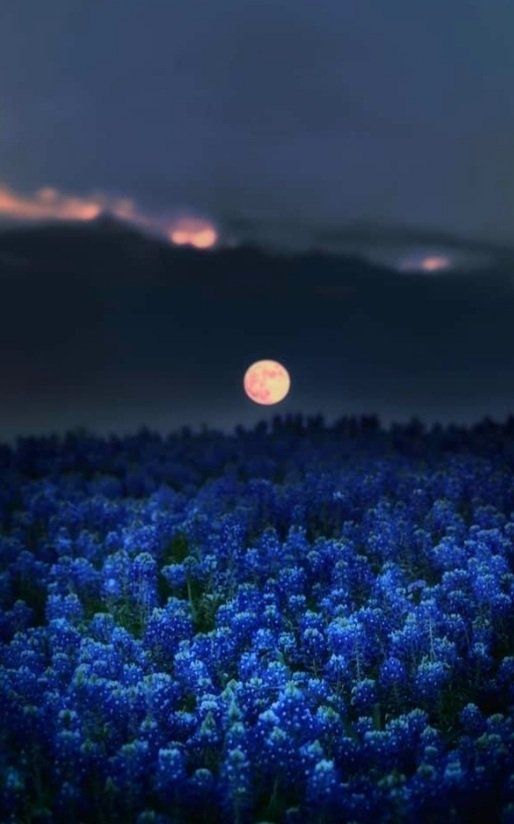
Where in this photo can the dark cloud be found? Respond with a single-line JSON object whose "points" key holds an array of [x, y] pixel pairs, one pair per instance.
{"points": [[315, 112]]}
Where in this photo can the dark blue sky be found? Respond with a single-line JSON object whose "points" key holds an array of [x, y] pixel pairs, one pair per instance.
{"points": [[381, 127], [286, 111]]}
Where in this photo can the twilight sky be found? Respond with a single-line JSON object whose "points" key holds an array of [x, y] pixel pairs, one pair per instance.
{"points": [[364, 127], [281, 113]]}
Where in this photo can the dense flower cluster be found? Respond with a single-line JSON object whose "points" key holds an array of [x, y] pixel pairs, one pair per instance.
{"points": [[290, 623]]}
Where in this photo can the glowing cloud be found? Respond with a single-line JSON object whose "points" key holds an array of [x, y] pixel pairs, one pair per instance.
{"points": [[435, 263], [50, 204], [193, 232], [429, 262]]}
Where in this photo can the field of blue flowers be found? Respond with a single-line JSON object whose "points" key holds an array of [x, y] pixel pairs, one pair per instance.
{"points": [[294, 623]]}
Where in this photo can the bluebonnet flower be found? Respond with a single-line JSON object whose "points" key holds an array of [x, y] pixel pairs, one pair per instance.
{"points": [[472, 719], [143, 581], [430, 679], [170, 775], [323, 790], [68, 607], [175, 575], [236, 782], [393, 672], [364, 694], [129, 769], [16, 619]]}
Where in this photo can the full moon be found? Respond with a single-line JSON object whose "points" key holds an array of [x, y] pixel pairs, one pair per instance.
{"points": [[266, 382]]}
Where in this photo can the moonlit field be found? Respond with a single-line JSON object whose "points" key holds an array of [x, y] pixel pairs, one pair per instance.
{"points": [[292, 622], [256, 412]]}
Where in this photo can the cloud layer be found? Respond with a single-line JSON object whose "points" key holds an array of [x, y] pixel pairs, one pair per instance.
{"points": [[313, 113], [49, 204]]}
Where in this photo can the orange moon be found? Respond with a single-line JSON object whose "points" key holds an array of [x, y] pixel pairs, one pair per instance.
{"points": [[266, 382]]}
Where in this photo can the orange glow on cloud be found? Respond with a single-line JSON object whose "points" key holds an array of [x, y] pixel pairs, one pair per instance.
{"points": [[50, 204], [193, 232], [435, 263], [429, 262], [47, 203]]}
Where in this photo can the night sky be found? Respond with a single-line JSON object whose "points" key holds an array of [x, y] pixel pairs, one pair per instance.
{"points": [[311, 112], [357, 128]]}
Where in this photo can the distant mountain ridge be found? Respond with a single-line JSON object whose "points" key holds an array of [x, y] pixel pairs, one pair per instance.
{"points": [[354, 241], [78, 246]]}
